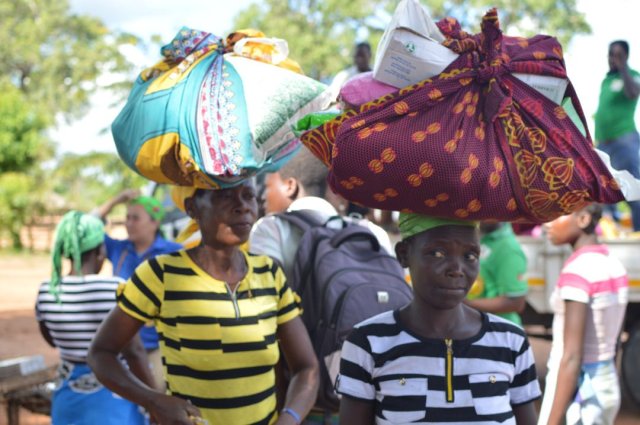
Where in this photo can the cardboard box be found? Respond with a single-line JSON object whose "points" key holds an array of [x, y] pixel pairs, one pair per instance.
{"points": [[410, 49], [552, 87]]}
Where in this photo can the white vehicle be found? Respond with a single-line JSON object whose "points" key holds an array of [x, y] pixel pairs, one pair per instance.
{"points": [[545, 261]]}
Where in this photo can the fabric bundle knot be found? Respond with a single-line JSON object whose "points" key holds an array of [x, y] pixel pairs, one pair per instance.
{"points": [[472, 143], [203, 116]]}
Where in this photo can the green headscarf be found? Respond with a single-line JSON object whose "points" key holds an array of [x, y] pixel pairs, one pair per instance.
{"points": [[152, 206], [411, 224], [75, 234]]}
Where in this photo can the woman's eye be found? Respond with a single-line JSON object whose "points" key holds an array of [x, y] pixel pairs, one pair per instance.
{"points": [[472, 256], [437, 254]]}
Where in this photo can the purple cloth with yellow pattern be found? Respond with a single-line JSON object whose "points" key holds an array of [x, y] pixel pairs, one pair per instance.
{"points": [[472, 143]]}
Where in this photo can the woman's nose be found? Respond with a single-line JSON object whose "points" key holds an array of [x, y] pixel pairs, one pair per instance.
{"points": [[454, 268]]}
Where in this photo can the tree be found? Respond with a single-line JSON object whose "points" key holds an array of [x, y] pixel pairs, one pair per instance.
{"points": [[22, 142], [55, 57], [19, 203], [87, 180], [321, 33]]}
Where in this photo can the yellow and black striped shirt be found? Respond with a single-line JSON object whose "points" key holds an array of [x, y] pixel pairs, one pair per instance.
{"points": [[219, 348]]}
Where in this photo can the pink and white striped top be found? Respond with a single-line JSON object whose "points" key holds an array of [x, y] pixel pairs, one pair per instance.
{"points": [[594, 277]]}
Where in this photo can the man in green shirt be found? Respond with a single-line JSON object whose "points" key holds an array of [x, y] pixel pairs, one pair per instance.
{"points": [[500, 287], [616, 132]]}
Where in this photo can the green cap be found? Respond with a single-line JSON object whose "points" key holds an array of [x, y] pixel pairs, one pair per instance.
{"points": [[411, 224]]}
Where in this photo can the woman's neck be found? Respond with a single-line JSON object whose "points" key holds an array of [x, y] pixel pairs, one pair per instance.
{"points": [[585, 240], [227, 264], [460, 322], [142, 246], [88, 267]]}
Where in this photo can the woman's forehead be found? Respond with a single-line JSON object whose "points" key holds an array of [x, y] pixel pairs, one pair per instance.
{"points": [[450, 234]]}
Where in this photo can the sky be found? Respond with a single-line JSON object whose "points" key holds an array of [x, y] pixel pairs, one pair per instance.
{"points": [[586, 56]]}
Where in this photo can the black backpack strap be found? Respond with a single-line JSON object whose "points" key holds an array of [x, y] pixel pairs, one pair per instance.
{"points": [[302, 219]]}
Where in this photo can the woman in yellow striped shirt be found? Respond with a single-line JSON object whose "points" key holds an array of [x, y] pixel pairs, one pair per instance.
{"points": [[221, 315]]}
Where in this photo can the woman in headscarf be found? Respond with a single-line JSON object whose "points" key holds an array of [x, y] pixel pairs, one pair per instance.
{"points": [[69, 310], [222, 315], [437, 360], [144, 241]]}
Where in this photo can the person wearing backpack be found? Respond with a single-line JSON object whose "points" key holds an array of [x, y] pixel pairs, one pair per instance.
{"points": [[333, 263]]}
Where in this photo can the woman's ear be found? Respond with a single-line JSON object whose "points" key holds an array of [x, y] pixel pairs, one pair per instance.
{"points": [[189, 207], [291, 188], [583, 219], [402, 253]]}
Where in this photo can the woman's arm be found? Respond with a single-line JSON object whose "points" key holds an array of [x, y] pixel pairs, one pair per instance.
{"points": [[571, 362], [138, 362], [298, 351], [112, 337], [44, 331], [356, 412], [526, 414], [125, 196]]}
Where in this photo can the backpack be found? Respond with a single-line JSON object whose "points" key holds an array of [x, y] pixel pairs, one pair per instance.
{"points": [[343, 277]]}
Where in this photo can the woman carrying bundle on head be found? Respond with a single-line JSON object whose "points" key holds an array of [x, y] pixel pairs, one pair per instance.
{"points": [[222, 316], [69, 310]]}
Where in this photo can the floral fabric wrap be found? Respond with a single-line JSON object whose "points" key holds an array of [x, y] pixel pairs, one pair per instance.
{"points": [[473, 143], [215, 112]]}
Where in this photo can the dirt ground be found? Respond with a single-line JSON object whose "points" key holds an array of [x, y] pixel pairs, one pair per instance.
{"points": [[20, 277]]}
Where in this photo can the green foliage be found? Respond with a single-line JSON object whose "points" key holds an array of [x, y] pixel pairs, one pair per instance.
{"points": [[55, 57], [21, 132], [322, 33], [20, 201], [86, 181]]}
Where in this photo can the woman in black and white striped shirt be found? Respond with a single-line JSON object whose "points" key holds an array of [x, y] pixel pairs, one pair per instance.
{"points": [[437, 360], [69, 310]]}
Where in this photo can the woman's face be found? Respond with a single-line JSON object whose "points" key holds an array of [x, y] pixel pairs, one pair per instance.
{"points": [[563, 230], [443, 262], [277, 193], [140, 226], [225, 216]]}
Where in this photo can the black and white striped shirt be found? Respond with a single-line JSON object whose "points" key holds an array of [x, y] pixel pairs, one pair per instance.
{"points": [[412, 379], [84, 303]]}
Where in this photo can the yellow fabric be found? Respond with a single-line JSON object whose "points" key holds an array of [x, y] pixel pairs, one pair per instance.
{"points": [[166, 79], [260, 51], [180, 193], [411, 224], [223, 364], [165, 159]]}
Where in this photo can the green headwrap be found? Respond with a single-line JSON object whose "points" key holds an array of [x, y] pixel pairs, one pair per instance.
{"points": [[152, 206], [75, 234], [411, 224]]}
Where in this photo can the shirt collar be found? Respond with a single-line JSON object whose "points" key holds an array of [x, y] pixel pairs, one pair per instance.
{"points": [[158, 243], [313, 203]]}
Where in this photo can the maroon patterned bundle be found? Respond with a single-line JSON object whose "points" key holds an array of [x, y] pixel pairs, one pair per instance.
{"points": [[474, 142]]}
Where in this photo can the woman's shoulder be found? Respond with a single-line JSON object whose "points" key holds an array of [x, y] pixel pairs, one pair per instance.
{"points": [[261, 262], [164, 246], [502, 329]]}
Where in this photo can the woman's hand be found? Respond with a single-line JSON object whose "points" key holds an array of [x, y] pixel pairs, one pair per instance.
{"points": [[169, 410], [128, 195]]}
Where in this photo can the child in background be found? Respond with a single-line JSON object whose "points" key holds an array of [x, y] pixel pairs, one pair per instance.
{"points": [[589, 302], [501, 288], [437, 360]]}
